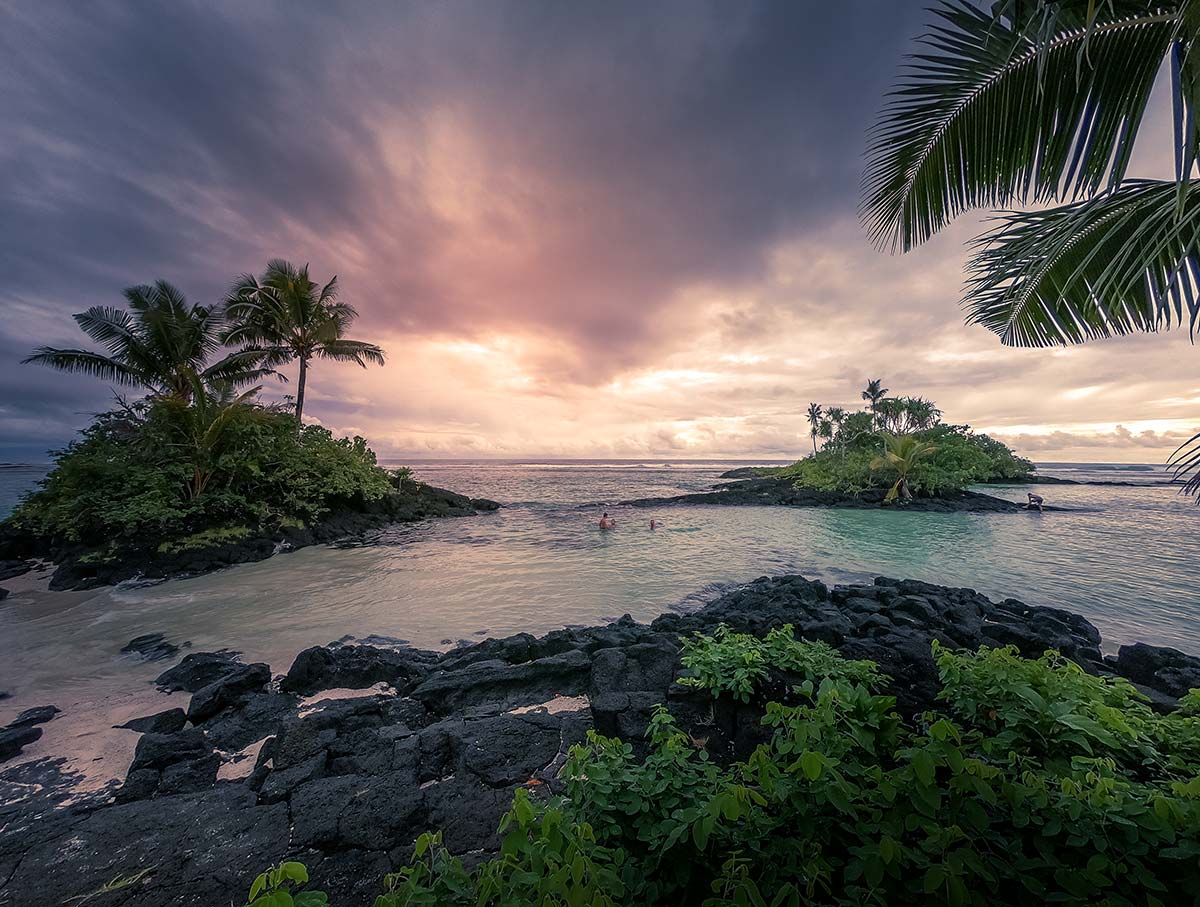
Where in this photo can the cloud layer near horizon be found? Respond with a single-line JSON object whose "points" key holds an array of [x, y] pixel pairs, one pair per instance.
{"points": [[578, 230]]}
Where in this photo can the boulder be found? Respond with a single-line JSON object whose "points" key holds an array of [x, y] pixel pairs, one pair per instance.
{"points": [[484, 504], [1169, 670], [506, 686], [150, 647], [14, 739], [167, 722], [227, 691], [355, 667], [37, 715], [14, 567], [197, 670]]}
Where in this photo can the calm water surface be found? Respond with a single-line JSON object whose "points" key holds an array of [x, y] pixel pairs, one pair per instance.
{"points": [[1125, 558]]}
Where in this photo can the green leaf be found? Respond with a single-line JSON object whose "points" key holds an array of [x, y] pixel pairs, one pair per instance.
{"points": [[923, 767], [993, 112], [295, 871], [812, 764]]}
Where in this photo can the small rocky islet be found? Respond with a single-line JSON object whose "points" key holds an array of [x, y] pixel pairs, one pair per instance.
{"points": [[77, 568], [261, 768]]}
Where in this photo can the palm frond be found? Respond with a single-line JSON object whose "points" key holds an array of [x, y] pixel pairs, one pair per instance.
{"points": [[1122, 262], [242, 367], [993, 112], [86, 362], [352, 351], [1185, 466], [113, 327]]}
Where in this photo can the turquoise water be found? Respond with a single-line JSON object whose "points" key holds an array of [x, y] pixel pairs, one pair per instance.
{"points": [[1124, 556]]}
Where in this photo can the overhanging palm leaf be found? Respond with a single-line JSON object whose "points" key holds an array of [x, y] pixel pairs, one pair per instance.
{"points": [[1126, 261], [993, 112], [1185, 466]]}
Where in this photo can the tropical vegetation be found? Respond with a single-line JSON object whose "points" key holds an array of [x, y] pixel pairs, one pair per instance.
{"points": [[1031, 782], [1040, 103], [198, 461], [901, 444], [160, 343]]}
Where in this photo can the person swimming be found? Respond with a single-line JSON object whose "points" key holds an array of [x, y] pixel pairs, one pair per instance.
{"points": [[653, 525], [607, 522], [1035, 500]]}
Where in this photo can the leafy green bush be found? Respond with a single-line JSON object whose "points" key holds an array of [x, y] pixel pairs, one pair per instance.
{"points": [[1039, 784], [737, 663], [167, 477], [959, 458]]}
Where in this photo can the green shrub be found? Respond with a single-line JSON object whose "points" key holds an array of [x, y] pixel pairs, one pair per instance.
{"points": [[167, 477], [959, 458], [737, 663], [1039, 784]]}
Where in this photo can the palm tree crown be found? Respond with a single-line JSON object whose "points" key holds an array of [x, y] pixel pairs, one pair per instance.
{"points": [[290, 317], [161, 342]]}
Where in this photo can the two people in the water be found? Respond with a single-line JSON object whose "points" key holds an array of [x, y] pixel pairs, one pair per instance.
{"points": [[607, 522]]}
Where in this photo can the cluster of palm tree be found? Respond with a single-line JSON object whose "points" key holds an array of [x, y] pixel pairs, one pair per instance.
{"points": [[897, 416], [165, 345], [1037, 102]]}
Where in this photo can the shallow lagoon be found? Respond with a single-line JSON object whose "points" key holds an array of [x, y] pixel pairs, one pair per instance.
{"points": [[1125, 558]]}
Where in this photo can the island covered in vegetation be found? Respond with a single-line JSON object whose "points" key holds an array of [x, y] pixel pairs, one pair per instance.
{"points": [[896, 451], [199, 473]]}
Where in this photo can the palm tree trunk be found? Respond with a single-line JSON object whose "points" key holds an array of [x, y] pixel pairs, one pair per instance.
{"points": [[300, 389], [814, 437]]}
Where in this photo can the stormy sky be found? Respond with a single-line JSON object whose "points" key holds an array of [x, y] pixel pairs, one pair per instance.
{"points": [[578, 229]]}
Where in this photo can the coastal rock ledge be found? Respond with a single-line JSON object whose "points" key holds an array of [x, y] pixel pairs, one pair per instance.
{"points": [[294, 768]]}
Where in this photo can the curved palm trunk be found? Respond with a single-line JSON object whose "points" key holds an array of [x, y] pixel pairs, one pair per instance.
{"points": [[300, 389]]}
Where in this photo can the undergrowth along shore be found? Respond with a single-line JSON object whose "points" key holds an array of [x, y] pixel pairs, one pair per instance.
{"points": [[1031, 782]]}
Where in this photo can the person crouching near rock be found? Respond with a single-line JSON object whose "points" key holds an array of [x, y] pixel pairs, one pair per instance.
{"points": [[1035, 500]]}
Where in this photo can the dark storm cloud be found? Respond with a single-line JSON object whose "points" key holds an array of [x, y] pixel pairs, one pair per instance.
{"points": [[619, 153]]}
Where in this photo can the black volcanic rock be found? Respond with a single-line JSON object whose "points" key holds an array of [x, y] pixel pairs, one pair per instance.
{"points": [[1162, 668], [227, 691], [14, 567], [355, 667], [167, 722], [14, 739], [150, 647], [776, 491], [411, 502], [37, 715], [197, 670], [347, 782]]}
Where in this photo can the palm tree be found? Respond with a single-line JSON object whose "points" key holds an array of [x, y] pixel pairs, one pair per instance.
{"points": [[873, 393], [161, 343], [837, 418], [901, 453], [921, 414], [1041, 103], [814, 422], [289, 316]]}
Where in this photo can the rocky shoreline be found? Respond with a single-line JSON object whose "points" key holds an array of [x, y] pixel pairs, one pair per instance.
{"points": [[768, 491], [75, 569], [259, 769]]}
